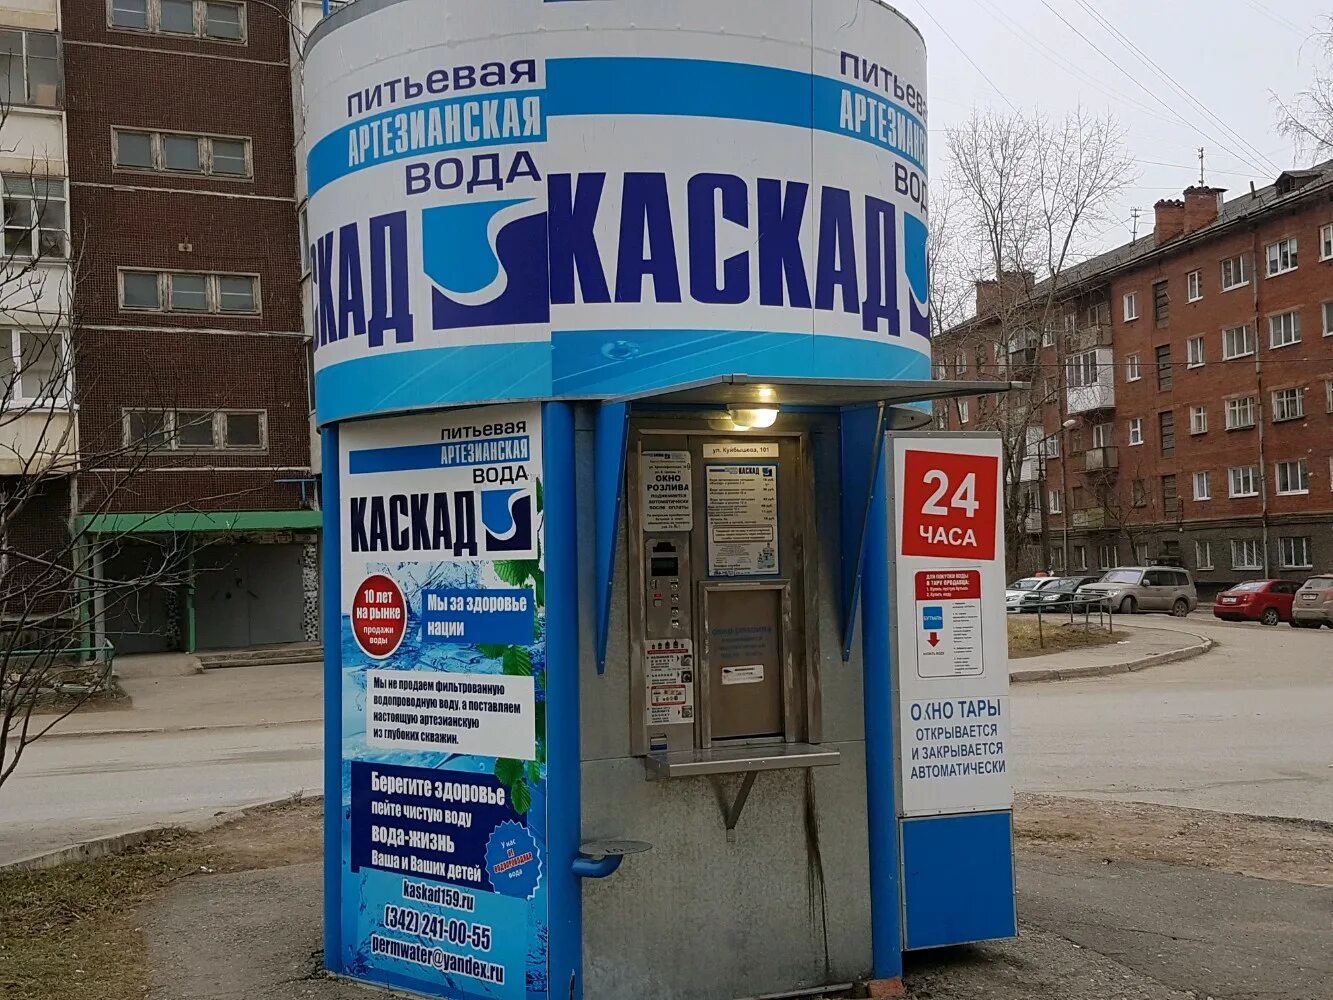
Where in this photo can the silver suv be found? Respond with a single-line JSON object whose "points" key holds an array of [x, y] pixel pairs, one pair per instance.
{"points": [[1128, 589], [1313, 605]]}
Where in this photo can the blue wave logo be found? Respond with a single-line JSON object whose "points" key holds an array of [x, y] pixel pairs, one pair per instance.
{"points": [[917, 267], [488, 261], [506, 515]]}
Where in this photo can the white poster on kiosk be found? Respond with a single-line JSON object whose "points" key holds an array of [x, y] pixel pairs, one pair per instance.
{"points": [[951, 653]]}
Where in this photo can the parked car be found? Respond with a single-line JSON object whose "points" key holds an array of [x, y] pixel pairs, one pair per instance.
{"points": [[1313, 605], [1267, 601], [1059, 594], [1128, 589], [1013, 595]]}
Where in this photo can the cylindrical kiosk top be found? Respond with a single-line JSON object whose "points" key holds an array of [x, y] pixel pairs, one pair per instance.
{"points": [[522, 199]]}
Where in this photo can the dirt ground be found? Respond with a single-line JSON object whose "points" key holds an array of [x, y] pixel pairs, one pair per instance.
{"points": [[73, 932], [1029, 636], [1280, 850]]}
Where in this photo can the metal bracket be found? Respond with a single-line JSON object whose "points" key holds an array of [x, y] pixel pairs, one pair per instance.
{"points": [[731, 812]]}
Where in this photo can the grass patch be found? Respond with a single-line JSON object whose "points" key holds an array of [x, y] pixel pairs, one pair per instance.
{"points": [[73, 932], [1028, 637]]}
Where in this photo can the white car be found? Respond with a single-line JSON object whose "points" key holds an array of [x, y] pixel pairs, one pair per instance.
{"points": [[1013, 595]]}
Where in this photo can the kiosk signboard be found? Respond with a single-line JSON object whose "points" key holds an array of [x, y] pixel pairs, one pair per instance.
{"points": [[952, 639], [443, 703]]}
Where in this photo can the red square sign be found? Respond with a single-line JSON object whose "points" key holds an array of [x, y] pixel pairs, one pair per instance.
{"points": [[949, 504]]}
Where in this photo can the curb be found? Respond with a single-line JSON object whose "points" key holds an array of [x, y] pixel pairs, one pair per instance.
{"points": [[1203, 645], [116, 843], [161, 730]]}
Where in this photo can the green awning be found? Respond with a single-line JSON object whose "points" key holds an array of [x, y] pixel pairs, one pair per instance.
{"points": [[193, 521]]}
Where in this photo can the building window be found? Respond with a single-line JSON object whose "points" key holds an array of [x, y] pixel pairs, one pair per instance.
{"points": [[1099, 314], [1106, 556], [1243, 481], [1282, 257], [1161, 303], [1081, 370], [1141, 553], [1326, 242], [1170, 498], [1048, 336], [1235, 274], [1295, 553], [1051, 446], [212, 19], [1203, 555], [1133, 368], [1166, 431], [35, 218], [182, 153], [1056, 502], [1237, 342], [187, 292], [1139, 493], [1058, 561], [1328, 319], [1328, 395], [1194, 349], [1203, 486], [196, 430], [34, 368], [1164, 376], [1136, 430], [962, 411], [1080, 556], [1242, 412], [1194, 286], [1288, 404], [31, 61], [1293, 478], [1246, 554], [1102, 435], [1131, 306], [1285, 329], [1198, 420]]}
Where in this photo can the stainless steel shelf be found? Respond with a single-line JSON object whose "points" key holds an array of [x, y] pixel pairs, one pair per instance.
{"points": [[739, 760]]}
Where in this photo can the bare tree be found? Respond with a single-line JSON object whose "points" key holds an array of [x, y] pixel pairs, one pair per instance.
{"points": [[1033, 195], [1307, 118], [55, 592]]}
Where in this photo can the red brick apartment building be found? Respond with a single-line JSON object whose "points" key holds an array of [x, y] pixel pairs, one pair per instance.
{"points": [[176, 165], [1182, 395]]}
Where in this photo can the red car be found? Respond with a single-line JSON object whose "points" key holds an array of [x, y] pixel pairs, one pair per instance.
{"points": [[1267, 601]]}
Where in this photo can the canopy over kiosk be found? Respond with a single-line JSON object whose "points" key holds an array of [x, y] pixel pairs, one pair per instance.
{"points": [[621, 345]]}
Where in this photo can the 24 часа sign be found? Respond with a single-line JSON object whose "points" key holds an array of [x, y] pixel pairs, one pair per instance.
{"points": [[545, 202], [444, 723]]}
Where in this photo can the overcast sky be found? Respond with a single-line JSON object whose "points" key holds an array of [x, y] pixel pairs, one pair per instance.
{"points": [[1229, 55]]}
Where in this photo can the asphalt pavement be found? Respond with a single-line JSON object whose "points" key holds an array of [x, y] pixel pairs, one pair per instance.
{"points": [[1246, 728]]}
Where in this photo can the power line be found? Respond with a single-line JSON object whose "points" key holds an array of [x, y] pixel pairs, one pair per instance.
{"points": [[1003, 96], [1138, 83], [1276, 17], [1148, 60]]}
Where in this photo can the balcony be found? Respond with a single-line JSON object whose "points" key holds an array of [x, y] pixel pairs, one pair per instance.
{"points": [[1090, 381], [1101, 461], [1088, 338], [1091, 518], [38, 441]]}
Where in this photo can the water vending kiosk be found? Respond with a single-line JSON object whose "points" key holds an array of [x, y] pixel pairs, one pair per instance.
{"points": [[665, 654]]}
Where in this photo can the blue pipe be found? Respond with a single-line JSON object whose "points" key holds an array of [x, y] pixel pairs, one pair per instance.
{"points": [[600, 868], [331, 633], [877, 663]]}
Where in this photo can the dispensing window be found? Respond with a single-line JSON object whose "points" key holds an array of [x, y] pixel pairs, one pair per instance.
{"points": [[723, 666]]}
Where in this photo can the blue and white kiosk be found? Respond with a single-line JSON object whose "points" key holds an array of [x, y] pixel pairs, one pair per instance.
{"points": [[665, 657]]}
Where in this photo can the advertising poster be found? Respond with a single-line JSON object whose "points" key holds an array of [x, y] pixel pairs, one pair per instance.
{"points": [[444, 681], [952, 643]]}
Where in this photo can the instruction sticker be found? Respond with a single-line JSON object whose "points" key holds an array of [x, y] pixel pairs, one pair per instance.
{"points": [[669, 677], [668, 500], [948, 632], [743, 520], [750, 673]]}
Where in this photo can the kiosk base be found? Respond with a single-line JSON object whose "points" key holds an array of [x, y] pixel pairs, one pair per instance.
{"points": [[886, 988]]}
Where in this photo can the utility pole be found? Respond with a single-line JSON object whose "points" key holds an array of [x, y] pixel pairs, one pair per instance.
{"points": [[1134, 215], [1202, 182]]}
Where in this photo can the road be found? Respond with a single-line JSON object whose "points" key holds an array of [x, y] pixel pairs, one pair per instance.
{"points": [[1246, 728], [73, 789]]}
